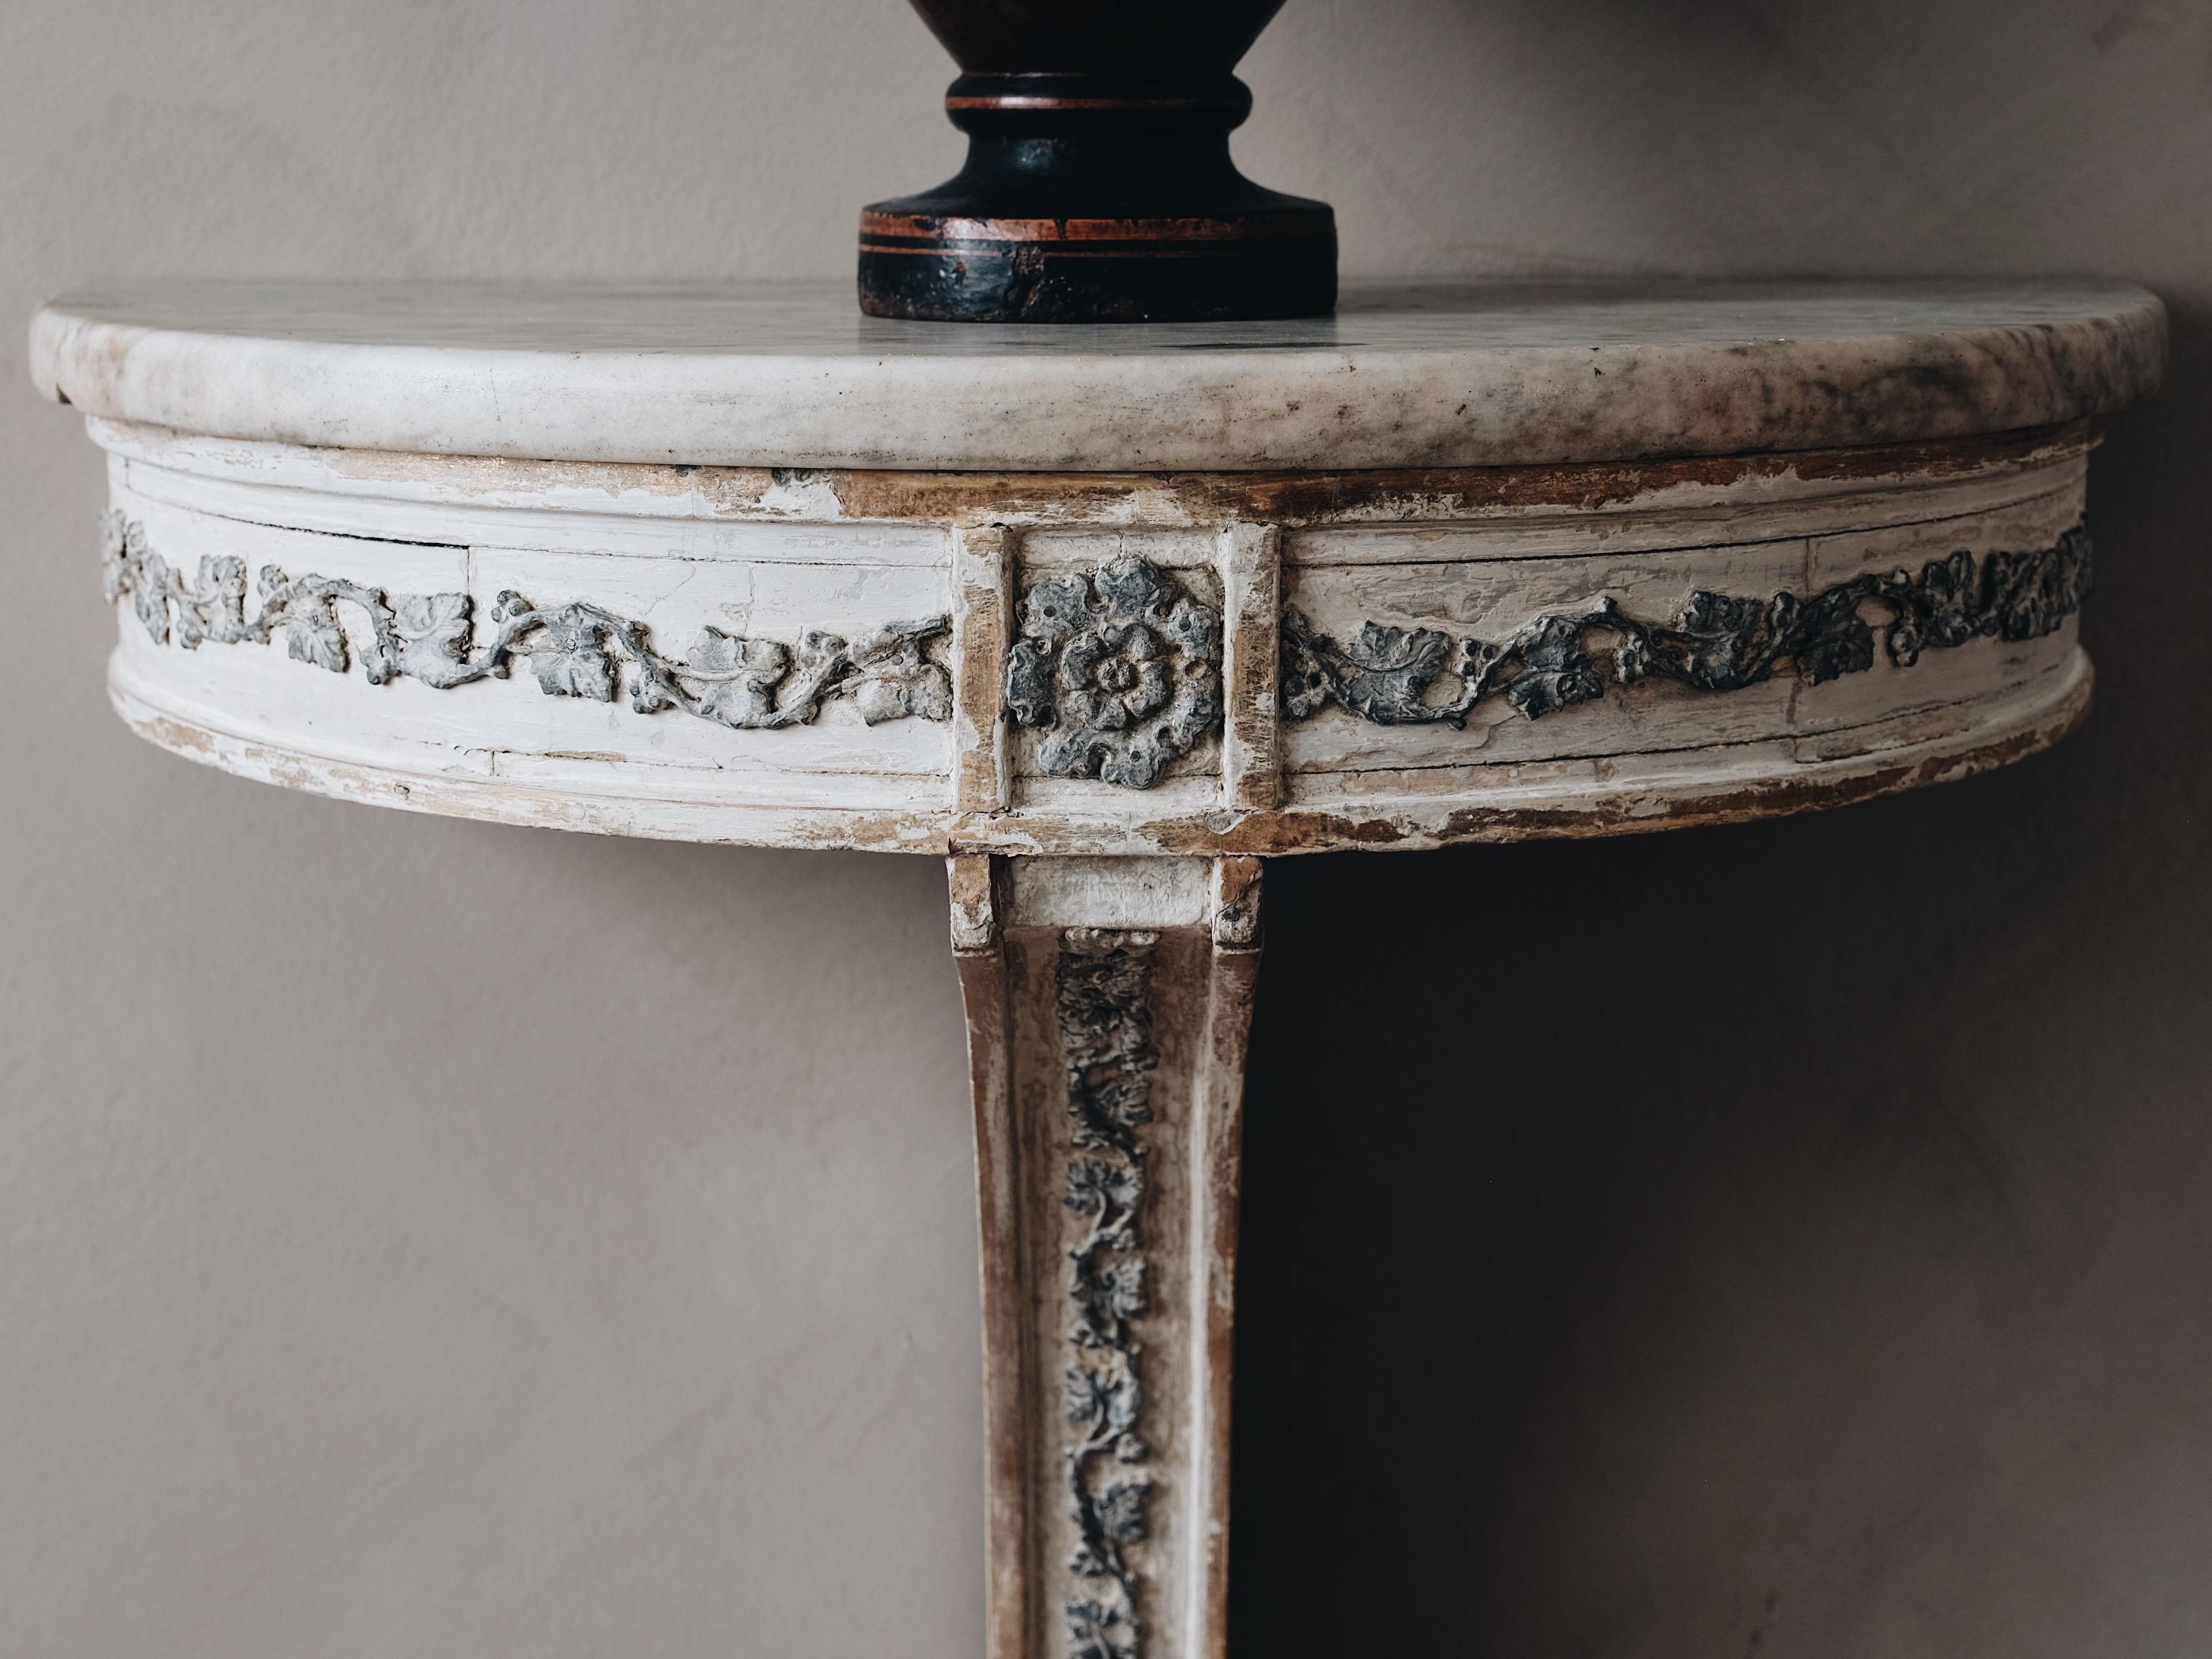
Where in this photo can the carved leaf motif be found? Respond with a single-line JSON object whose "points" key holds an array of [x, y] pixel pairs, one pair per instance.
{"points": [[879, 697], [1555, 672], [1124, 1400], [1397, 661], [569, 659], [821, 670], [1112, 1105], [1055, 611], [117, 559], [1194, 629], [1383, 675], [312, 634], [2032, 595], [1724, 641], [149, 596], [1095, 1188], [1939, 609], [1097, 1631], [897, 680], [1121, 1510], [1130, 588], [1121, 1283], [1108, 1294], [1106, 1031], [221, 596], [1028, 684], [1632, 653], [1719, 642], [1084, 1392], [759, 667], [1832, 639], [1307, 685], [575, 651], [433, 632]]}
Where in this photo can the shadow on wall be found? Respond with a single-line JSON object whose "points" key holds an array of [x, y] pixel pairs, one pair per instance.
{"points": [[1784, 1239]]}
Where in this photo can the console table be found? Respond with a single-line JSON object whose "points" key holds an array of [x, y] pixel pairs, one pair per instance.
{"points": [[1107, 617]]}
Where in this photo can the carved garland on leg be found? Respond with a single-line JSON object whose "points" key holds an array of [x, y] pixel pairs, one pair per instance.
{"points": [[1106, 1031]]}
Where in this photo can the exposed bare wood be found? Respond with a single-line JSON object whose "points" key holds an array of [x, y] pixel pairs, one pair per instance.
{"points": [[983, 590], [1405, 812], [1252, 610], [1217, 1143], [1194, 500], [1107, 1029], [1009, 1484], [1642, 756]]}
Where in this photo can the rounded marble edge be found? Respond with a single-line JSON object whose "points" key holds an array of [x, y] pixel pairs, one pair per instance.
{"points": [[2050, 352]]}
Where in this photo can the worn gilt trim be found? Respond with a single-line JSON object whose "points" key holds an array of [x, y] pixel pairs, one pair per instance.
{"points": [[576, 650], [1719, 642]]}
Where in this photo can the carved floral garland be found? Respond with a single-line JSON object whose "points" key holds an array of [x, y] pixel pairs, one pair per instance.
{"points": [[1106, 1028], [1719, 642], [574, 650]]}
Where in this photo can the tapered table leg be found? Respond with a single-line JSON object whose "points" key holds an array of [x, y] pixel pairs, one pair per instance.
{"points": [[1109, 1003]]}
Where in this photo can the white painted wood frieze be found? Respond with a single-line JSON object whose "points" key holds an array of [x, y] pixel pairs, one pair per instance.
{"points": [[505, 639]]}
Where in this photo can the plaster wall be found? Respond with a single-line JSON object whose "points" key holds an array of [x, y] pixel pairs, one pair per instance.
{"points": [[424, 1239]]}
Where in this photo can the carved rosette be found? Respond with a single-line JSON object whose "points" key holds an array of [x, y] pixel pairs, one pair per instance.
{"points": [[1719, 642], [1103, 979], [1121, 669], [578, 650]]}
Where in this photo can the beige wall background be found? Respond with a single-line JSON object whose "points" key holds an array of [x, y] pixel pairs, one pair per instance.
{"points": [[429, 1239]]}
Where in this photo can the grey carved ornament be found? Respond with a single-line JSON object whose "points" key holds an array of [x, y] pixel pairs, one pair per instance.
{"points": [[574, 650], [1103, 982], [1719, 642], [1122, 671]]}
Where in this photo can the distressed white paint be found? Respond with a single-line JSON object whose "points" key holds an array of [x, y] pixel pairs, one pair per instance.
{"points": [[752, 553], [1491, 600], [1192, 921], [1089, 892]]}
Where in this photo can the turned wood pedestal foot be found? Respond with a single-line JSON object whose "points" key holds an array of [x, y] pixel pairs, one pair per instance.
{"points": [[1107, 617]]}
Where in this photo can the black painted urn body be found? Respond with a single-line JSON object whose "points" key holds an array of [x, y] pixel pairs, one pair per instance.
{"points": [[1098, 186]]}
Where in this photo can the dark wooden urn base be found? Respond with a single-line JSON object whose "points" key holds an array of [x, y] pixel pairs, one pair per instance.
{"points": [[1097, 198]]}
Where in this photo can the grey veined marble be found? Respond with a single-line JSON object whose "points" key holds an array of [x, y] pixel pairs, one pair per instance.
{"points": [[787, 375]]}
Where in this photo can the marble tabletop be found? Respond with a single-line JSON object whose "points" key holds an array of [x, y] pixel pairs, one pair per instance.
{"points": [[1402, 377]]}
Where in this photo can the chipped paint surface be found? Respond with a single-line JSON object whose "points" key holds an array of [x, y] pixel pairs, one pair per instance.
{"points": [[1695, 795], [744, 551], [1109, 1004], [1194, 500]]}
